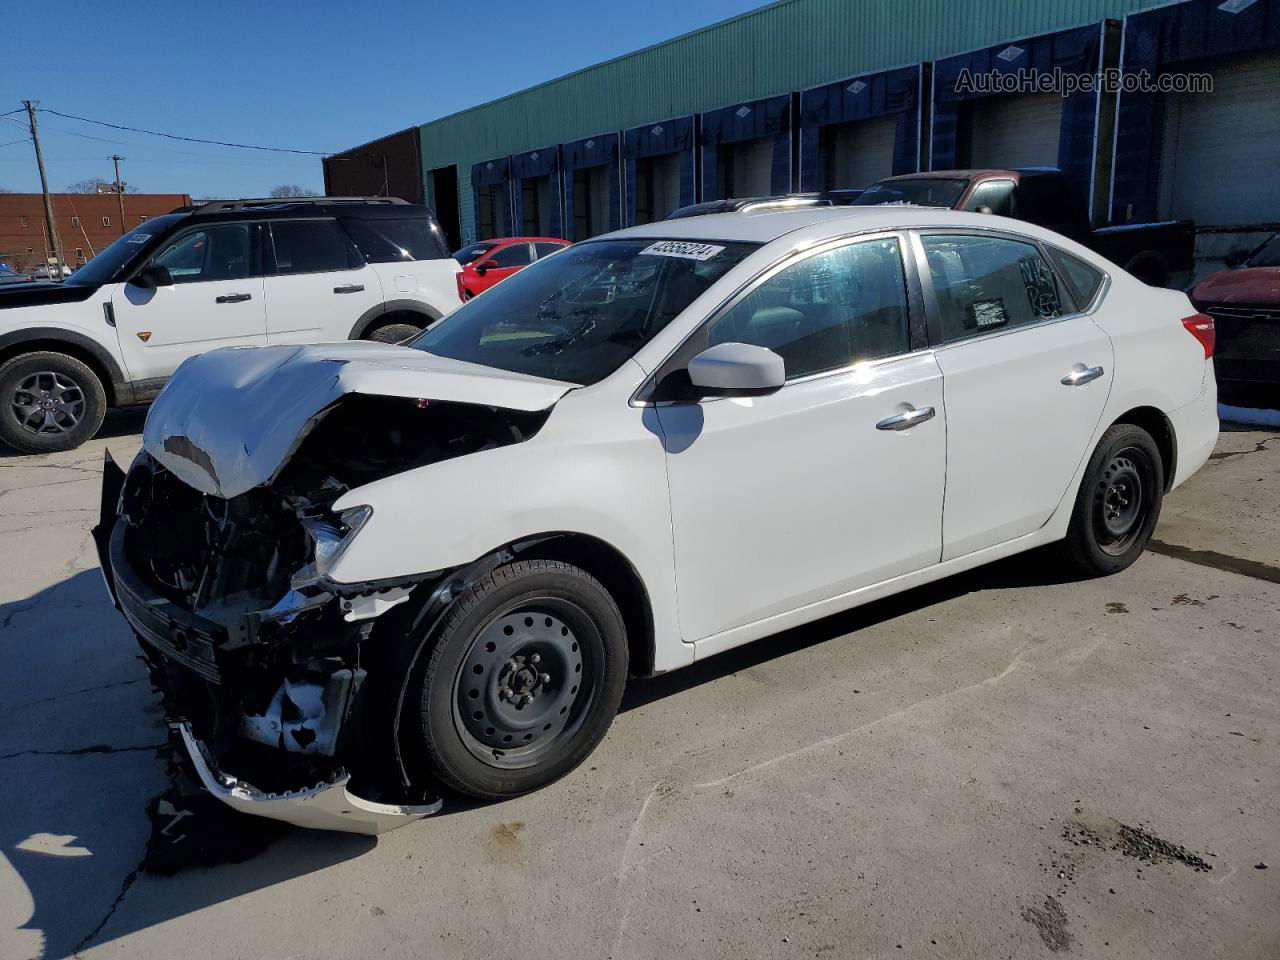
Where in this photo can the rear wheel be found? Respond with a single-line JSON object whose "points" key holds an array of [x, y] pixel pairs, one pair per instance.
{"points": [[49, 402], [393, 332], [1149, 267], [1118, 503], [524, 678]]}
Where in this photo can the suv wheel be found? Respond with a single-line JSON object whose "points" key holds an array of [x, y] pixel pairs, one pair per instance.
{"points": [[393, 333], [524, 678], [49, 402], [1119, 502]]}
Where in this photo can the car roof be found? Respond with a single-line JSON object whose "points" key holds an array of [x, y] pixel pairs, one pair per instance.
{"points": [[765, 226]]}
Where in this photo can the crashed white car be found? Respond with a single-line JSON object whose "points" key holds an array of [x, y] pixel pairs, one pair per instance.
{"points": [[368, 577]]}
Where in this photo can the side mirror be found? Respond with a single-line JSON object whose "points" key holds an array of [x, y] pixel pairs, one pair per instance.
{"points": [[737, 370], [150, 277], [1235, 258], [984, 209], [482, 268]]}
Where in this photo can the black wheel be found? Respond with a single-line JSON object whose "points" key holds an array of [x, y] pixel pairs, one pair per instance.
{"points": [[393, 333], [1119, 502], [523, 679], [1150, 268], [49, 402]]}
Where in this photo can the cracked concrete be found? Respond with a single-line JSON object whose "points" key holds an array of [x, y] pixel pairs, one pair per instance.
{"points": [[899, 776]]}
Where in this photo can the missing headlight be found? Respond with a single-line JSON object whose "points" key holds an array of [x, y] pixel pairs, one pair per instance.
{"points": [[330, 538]]}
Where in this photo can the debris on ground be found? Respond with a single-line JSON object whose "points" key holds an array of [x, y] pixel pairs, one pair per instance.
{"points": [[1050, 922]]}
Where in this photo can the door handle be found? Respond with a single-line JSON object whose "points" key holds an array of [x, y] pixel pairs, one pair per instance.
{"points": [[1077, 378], [349, 288], [233, 298], [905, 421]]}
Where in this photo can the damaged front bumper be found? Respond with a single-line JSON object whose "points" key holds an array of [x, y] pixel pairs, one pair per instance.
{"points": [[329, 805], [289, 755]]}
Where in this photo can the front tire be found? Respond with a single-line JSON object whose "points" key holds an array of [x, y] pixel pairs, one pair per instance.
{"points": [[524, 677], [1118, 503], [49, 402]]}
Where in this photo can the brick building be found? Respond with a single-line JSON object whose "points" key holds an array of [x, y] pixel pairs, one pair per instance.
{"points": [[86, 223]]}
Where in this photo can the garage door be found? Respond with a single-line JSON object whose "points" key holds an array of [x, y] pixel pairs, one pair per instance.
{"points": [[1014, 130], [1222, 149], [857, 154], [745, 169]]}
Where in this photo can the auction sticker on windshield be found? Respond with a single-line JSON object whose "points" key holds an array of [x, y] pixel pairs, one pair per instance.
{"points": [[682, 249]]}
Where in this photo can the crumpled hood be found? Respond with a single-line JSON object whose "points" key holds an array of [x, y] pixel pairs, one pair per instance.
{"points": [[228, 419]]}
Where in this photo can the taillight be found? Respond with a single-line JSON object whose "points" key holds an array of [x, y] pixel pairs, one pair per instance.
{"points": [[1200, 326], [462, 290]]}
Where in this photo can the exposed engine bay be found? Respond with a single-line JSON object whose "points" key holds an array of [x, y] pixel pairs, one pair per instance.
{"points": [[286, 680]]}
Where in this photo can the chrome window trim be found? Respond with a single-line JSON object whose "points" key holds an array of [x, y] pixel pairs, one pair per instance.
{"points": [[930, 294], [747, 287]]}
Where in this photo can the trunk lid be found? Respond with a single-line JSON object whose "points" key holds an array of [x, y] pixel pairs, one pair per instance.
{"points": [[229, 419]]}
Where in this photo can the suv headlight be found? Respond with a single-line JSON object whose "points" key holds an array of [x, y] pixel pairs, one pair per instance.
{"points": [[330, 539]]}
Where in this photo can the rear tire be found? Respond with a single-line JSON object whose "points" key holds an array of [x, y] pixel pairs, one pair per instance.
{"points": [[49, 402], [524, 677], [393, 333], [1118, 503], [1149, 267]]}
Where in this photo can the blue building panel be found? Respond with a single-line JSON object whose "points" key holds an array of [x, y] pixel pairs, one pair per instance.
{"points": [[493, 174], [769, 118], [674, 137], [537, 170], [1163, 40], [588, 153], [1077, 51], [862, 98]]}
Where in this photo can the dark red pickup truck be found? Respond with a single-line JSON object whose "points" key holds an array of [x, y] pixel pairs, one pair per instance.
{"points": [[1152, 252]]}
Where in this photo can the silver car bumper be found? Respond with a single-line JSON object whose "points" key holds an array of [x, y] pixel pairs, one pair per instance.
{"points": [[326, 806]]}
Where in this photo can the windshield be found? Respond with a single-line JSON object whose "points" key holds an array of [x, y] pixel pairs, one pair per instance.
{"points": [[1267, 255], [112, 262], [473, 253], [918, 191], [581, 314]]}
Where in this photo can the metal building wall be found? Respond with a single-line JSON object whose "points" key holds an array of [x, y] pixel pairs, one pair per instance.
{"points": [[787, 46]]}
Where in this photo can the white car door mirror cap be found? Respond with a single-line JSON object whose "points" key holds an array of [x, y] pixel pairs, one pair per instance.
{"points": [[737, 370]]}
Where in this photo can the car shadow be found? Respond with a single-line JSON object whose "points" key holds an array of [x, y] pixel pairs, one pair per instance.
{"points": [[124, 422], [95, 801]]}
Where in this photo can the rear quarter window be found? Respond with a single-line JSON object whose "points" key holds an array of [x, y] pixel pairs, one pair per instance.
{"points": [[1083, 279], [396, 240]]}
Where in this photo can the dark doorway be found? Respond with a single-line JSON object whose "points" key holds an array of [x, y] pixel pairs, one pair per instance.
{"points": [[657, 187], [444, 190]]}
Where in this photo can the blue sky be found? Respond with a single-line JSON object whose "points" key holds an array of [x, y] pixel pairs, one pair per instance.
{"points": [[323, 75]]}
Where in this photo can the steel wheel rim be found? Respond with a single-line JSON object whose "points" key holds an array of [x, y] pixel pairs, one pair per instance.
{"points": [[47, 403], [1120, 502], [511, 710]]}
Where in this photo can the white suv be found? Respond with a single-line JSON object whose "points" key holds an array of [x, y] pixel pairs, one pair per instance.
{"points": [[367, 574], [229, 273]]}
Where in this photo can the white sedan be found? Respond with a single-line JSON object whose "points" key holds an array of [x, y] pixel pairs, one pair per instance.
{"points": [[370, 577]]}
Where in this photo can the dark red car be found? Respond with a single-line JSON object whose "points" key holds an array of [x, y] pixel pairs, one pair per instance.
{"points": [[489, 261], [1244, 301]]}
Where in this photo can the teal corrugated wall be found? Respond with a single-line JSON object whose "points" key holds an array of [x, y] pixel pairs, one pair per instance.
{"points": [[785, 46]]}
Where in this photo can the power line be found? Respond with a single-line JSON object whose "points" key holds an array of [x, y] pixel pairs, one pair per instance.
{"points": [[174, 136], [12, 142]]}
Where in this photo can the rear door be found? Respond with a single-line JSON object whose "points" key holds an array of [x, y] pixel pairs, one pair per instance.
{"points": [[411, 260], [216, 300], [317, 285], [1026, 378]]}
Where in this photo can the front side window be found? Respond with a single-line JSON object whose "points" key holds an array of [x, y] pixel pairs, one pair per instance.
{"points": [[983, 284], [473, 252], [583, 313], [216, 252], [311, 246], [827, 311], [516, 255]]}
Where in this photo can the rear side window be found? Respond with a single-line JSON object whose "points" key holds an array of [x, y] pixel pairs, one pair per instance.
{"points": [[1083, 279], [546, 249], [996, 195], [516, 255], [312, 246], [395, 240], [826, 312], [983, 284]]}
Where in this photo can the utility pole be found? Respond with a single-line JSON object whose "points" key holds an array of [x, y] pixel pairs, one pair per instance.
{"points": [[50, 228], [119, 192]]}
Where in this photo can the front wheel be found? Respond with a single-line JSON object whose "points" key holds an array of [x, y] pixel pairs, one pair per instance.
{"points": [[1118, 503], [49, 402], [523, 679]]}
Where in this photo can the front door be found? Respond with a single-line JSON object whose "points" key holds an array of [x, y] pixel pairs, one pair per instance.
{"points": [[502, 263], [832, 483], [1026, 380], [318, 286], [216, 300]]}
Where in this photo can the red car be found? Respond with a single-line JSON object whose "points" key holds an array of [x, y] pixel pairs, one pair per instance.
{"points": [[489, 261], [1244, 301]]}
